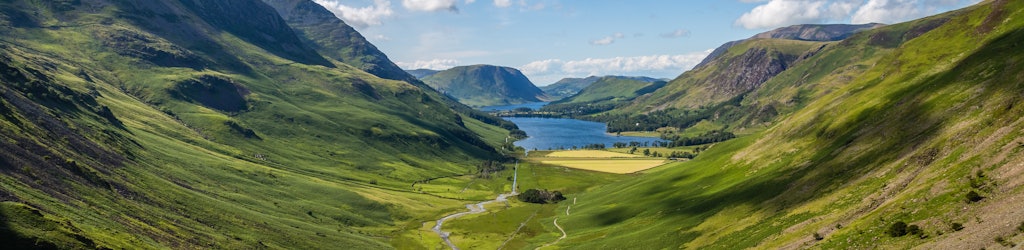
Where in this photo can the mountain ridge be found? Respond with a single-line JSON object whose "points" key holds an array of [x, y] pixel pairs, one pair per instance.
{"points": [[486, 85]]}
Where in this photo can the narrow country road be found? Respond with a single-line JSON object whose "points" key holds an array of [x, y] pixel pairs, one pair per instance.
{"points": [[476, 209]]}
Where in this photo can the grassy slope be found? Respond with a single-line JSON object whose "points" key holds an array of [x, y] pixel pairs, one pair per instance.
{"points": [[894, 124], [613, 88], [194, 176]]}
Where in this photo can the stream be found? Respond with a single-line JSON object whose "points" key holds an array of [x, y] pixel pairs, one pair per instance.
{"points": [[475, 209]]}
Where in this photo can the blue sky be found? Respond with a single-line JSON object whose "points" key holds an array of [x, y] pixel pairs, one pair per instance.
{"points": [[552, 39]]}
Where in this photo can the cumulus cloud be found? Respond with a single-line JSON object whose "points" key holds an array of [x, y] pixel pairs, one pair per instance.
{"points": [[360, 17], [503, 3], [430, 5], [547, 71], [435, 64], [607, 40], [676, 34], [778, 13]]}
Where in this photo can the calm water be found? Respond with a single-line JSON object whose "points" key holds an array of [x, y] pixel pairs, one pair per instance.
{"points": [[532, 105], [553, 133]]}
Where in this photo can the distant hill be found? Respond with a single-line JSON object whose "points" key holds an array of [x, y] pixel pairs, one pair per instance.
{"points": [[485, 85], [570, 86], [421, 73]]}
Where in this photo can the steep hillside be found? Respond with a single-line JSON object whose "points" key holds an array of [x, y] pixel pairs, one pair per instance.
{"points": [[802, 32], [906, 136], [210, 124], [611, 88], [485, 85], [742, 68], [333, 38], [570, 86]]}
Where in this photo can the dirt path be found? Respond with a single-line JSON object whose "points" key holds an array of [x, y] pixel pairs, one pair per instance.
{"points": [[475, 209], [559, 227]]}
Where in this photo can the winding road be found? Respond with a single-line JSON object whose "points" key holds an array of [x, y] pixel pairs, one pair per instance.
{"points": [[475, 209]]}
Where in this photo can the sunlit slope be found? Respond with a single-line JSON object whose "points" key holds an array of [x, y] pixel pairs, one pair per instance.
{"points": [[180, 124], [740, 69], [905, 138]]}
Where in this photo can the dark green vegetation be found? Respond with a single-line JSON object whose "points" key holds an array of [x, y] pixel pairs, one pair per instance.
{"points": [[911, 130], [485, 85], [540, 196], [219, 124]]}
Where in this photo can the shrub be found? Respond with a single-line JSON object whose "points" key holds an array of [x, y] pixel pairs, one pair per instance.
{"points": [[897, 229], [973, 196], [957, 226]]}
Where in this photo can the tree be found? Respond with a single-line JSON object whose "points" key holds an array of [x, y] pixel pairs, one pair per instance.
{"points": [[647, 152]]}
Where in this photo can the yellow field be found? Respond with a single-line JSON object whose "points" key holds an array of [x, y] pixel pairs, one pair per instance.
{"points": [[589, 154], [618, 166]]}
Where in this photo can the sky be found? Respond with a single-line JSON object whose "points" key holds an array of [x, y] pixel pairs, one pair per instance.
{"points": [[553, 39]]}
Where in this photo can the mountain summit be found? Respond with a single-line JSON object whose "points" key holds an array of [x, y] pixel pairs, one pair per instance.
{"points": [[485, 85]]}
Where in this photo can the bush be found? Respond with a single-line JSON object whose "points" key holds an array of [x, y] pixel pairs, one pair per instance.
{"points": [[973, 196], [957, 226], [897, 229]]}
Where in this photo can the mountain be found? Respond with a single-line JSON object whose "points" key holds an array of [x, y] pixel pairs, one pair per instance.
{"points": [[570, 86], [322, 31], [485, 85], [904, 136], [421, 73], [215, 124], [802, 32]]}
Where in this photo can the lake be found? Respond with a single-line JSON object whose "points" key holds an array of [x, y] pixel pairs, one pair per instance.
{"points": [[556, 133]]}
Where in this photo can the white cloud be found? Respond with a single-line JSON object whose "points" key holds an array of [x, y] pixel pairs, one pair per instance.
{"points": [[778, 13], [503, 3], [551, 70], [360, 17], [430, 5], [607, 40], [435, 64], [676, 34]]}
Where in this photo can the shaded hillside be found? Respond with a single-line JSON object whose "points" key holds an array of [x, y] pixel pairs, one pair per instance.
{"points": [[333, 38], [485, 85], [194, 124], [570, 86], [914, 124]]}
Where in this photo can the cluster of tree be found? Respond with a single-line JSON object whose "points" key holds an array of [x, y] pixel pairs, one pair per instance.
{"points": [[540, 196], [633, 144], [517, 134], [706, 138], [487, 168], [595, 146]]}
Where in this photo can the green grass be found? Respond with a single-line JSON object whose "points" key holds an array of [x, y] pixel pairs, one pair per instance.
{"points": [[874, 132], [319, 157]]}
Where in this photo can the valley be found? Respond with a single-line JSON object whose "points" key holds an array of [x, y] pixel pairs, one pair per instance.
{"points": [[276, 124]]}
